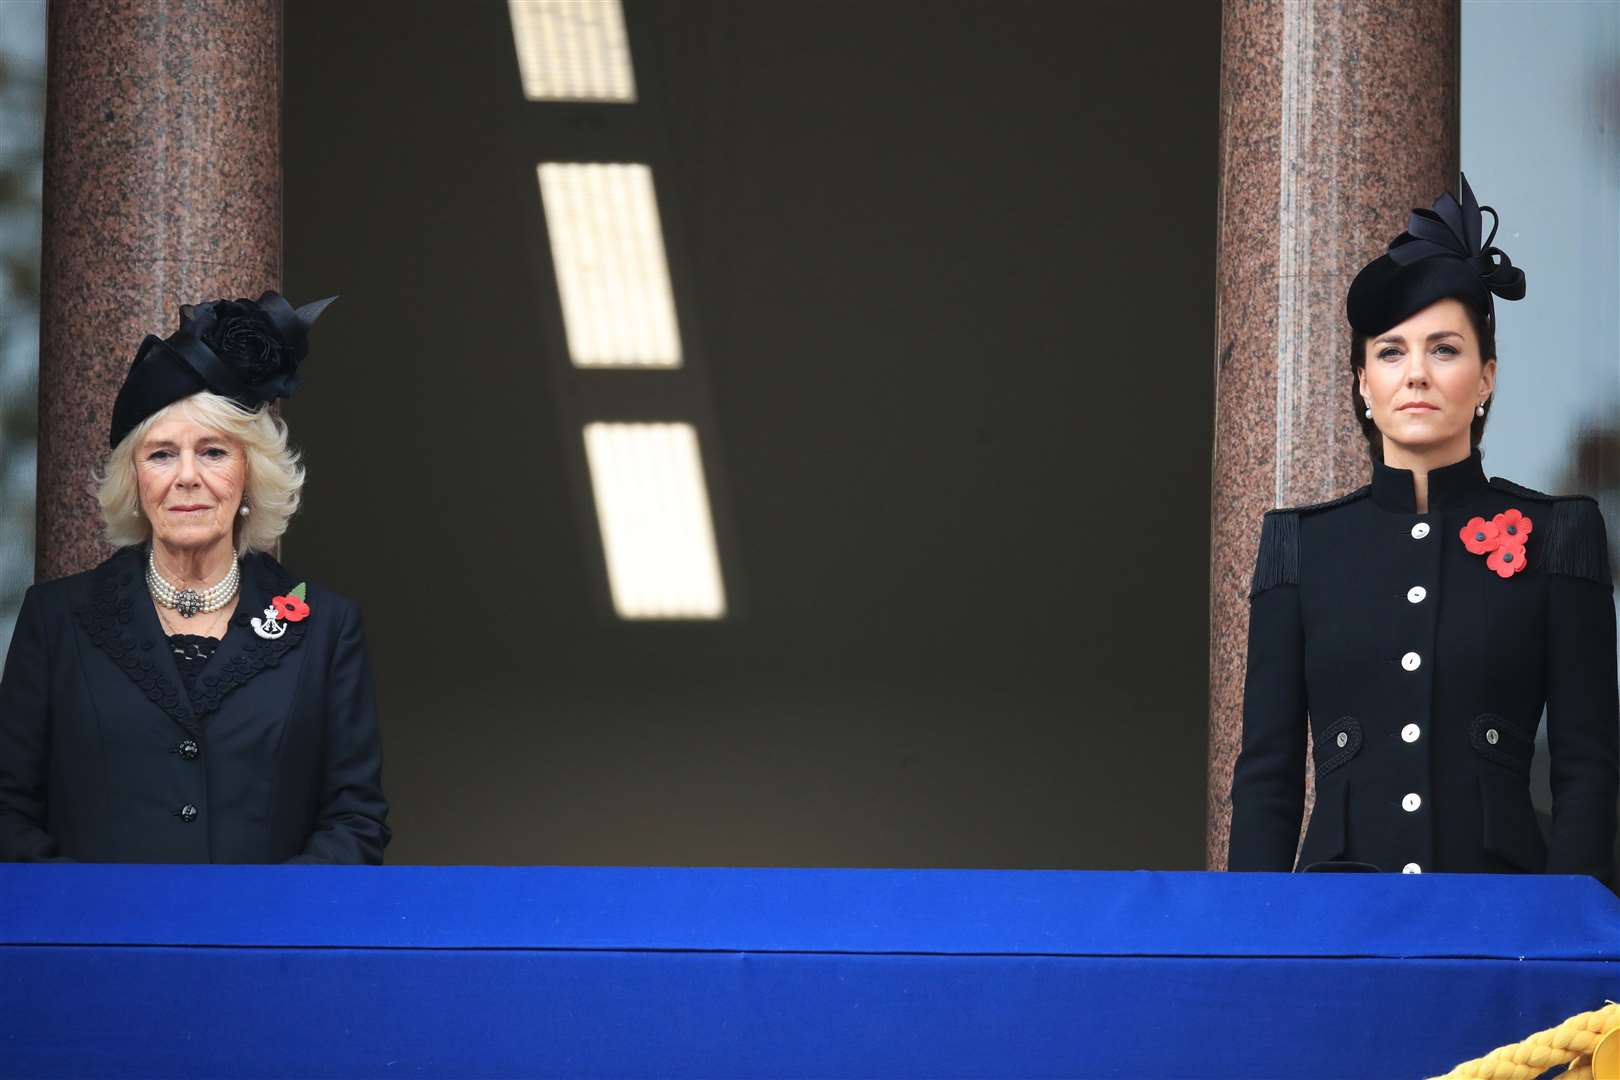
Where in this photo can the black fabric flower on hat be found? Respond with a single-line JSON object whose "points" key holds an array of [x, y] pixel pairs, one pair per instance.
{"points": [[247, 341], [1439, 255], [247, 350]]}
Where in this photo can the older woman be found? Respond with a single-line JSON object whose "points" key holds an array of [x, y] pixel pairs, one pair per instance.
{"points": [[188, 700], [1418, 625]]}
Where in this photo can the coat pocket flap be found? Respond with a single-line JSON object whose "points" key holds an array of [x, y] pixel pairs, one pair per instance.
{"points": [[1339, 742], [1503, 742]]}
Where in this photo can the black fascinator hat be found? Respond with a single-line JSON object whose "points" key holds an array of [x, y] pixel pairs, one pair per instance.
{"points": [[1440, 255], [246, 350]]}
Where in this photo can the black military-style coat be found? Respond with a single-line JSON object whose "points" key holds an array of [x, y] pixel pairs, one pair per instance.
{"points": [[105, 758], [1421, 674]]}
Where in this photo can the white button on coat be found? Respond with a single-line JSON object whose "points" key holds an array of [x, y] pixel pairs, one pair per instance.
{"points": [[1491, 736], [1411, 661], [1343, 740], [1411, 868], [1411, 802], [1420, 530], [1415, 594], [1410, 732]]}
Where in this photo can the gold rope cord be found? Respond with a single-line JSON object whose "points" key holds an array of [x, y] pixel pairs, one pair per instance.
{"points": [[1570, 1043]]}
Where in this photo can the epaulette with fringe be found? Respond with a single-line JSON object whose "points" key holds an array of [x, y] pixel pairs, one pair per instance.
{"points": [[1278, 561], [1574, 539], [1360, 493], [1526, 493]]}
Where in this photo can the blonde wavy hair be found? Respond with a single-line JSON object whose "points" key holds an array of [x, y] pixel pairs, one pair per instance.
{"points": [[274, 481]]}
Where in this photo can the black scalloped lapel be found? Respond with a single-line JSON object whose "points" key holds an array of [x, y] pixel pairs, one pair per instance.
{"points": [[119, 620], [243, 654]]}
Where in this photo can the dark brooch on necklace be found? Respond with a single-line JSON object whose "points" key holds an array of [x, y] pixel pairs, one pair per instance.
{"points": [[189, 602]]}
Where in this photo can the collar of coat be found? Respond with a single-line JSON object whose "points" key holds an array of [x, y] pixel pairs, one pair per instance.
{"points": [[120, 620], [1450, 486]]}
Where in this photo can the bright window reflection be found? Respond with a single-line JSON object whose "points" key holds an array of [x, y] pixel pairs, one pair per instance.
{"points": [[608, 250], [657, 531], [572, 50]]}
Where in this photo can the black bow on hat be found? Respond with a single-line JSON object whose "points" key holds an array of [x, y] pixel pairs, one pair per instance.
{"points": [[1439, 255], [246, 350]]}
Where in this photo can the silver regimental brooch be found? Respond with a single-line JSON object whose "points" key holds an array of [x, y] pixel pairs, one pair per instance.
{"points": [[282, 611]]}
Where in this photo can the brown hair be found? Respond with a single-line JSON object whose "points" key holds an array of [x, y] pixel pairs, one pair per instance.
{"points": [[1484, 329]]}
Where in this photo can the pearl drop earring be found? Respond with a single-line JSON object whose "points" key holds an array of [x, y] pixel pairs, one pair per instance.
{"points": [[244, 510], [1367, 412], [1479, 410]]}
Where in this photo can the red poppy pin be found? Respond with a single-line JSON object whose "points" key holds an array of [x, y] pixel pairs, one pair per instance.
{"points": [[291, 608], [282, 610], [1501, 540]]}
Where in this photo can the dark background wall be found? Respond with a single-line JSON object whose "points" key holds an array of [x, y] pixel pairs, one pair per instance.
{"points": [[945, 273]]}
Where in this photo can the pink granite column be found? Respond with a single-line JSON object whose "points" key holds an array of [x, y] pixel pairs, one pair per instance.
{"points": [[1336, 120], [162, 186]]}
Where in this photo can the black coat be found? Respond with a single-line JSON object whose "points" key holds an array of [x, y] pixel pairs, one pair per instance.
{"points": [[104, 757], [1422, 675]]}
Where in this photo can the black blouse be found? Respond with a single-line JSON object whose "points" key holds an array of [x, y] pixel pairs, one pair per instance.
{"points": [[191, 655]]}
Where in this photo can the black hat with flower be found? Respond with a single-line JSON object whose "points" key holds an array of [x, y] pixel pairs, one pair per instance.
{"points": [[245, 350], [1439, 256]]}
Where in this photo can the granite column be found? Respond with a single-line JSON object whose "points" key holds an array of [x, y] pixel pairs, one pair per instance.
{"points": [[1336, 120], [162, 187]]}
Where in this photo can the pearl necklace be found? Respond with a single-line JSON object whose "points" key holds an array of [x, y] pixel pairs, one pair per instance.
{"points": [[189, 602]]}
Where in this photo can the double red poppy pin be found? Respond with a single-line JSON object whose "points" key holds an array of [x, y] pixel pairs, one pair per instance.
{"points": [[282, 610], [1501, 540]]}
